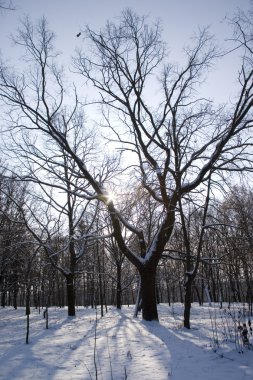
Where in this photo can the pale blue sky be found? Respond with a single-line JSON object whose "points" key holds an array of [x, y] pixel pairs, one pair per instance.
{"points": [[180, 18]]}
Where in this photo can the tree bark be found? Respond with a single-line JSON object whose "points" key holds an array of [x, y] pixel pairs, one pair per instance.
{"points": [[3, 298], [187, 303], [71, 295], [148, 294], [27, 312], [119, 289], [200, 299]]}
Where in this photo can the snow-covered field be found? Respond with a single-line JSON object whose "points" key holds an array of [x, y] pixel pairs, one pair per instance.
{"points": [[122, 347]]}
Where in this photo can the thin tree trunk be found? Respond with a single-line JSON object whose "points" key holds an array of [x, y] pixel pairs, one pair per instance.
{"points": [[15, 295], [101, 294], [168, 292], [119, 289], [200, 300], [100, 284], [27, 328], [71, 295], [3, 298], [138, 300], [187, 303], [27, 312]]}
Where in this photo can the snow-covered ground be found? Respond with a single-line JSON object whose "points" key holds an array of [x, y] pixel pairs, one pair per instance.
{"points": [[123, 347]]}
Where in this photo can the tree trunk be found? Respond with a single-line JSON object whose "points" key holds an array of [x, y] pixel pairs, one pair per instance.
{"points": [[27, 303], [27, 328], [200, 299], [71, 295], [187, 303], [148, 294], [119, 290], [101, 297], [168, 292], [15, 290], [27, 312], [158, 295], [3, 298]]}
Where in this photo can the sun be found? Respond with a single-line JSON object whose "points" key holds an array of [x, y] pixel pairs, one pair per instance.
{"points": [[107, 196], [111, 196]]}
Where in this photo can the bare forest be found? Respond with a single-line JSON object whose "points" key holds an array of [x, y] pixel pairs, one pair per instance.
{"points": [[121, 182]]}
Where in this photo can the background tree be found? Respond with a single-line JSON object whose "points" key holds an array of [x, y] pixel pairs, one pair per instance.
{"points": [[236, 215], [13, 236], [193, 223]]}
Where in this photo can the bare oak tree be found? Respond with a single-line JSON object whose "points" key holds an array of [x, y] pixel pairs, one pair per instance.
{"points": [[177, 137], [180, 142]]}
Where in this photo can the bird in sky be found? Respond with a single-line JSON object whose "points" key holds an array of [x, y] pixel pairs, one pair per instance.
{"points": [[79, 34]]}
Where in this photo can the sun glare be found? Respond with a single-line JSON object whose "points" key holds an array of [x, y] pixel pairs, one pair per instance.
{"points": [[111, 196]]}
